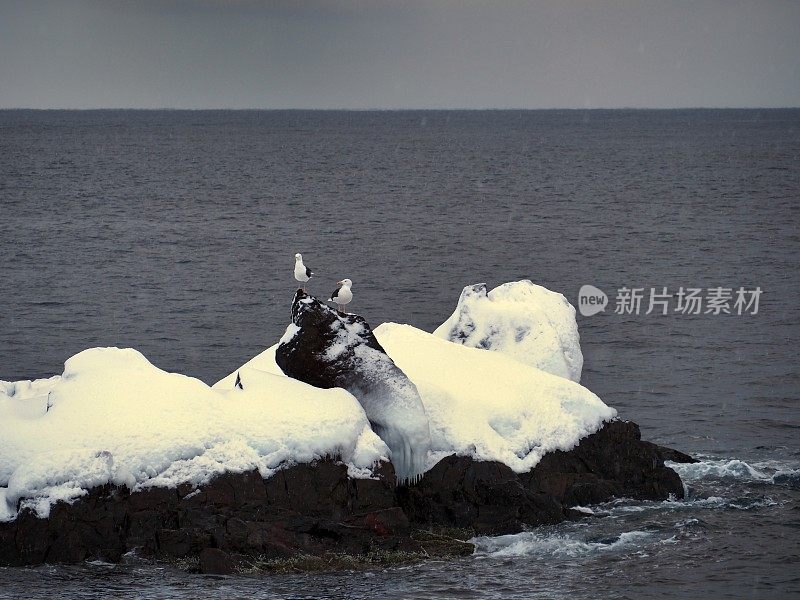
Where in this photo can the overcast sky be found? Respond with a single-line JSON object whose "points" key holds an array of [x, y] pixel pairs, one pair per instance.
{"points": [[399, 54]]}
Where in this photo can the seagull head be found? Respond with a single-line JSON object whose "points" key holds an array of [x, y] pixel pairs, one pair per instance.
{"points": [[345, 282], [298, 256]]}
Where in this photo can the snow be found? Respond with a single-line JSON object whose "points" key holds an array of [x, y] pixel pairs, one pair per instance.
{"points": [[265, 361], [489, 406], [522, 320], [114, 417]]}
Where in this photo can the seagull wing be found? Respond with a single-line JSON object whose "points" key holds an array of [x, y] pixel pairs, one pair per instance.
{"points": [[335, 294], [309, 272]]}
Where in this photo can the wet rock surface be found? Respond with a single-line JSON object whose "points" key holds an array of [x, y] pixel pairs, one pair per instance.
{"points": [[316, 509], [488, 497]]}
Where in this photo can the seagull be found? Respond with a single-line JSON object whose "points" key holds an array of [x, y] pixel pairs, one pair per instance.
{"points": [[342, 295], [301, 272]]}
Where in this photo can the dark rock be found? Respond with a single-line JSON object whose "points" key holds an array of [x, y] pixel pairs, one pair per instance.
{"points": [[175, 542], [675, 455], [317, 510], [305, 509], [316, 489], [487, 497], [611, 462], [214, 561], [332, 349], [374, 494]]}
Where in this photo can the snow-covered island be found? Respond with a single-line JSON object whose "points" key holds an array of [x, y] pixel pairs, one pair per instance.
{"points": [[338, 439]]}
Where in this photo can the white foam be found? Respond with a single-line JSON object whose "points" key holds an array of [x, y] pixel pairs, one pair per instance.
{"points": [[718, 469], [532, 543]]}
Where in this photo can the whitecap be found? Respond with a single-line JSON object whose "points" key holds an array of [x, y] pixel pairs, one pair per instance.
{"points": [[531, 543]]}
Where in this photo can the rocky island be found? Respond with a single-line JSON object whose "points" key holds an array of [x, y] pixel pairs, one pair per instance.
{"points": [[339, 441]]}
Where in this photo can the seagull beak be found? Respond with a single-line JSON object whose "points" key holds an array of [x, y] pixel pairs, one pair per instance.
{"points": [[339, 283]]}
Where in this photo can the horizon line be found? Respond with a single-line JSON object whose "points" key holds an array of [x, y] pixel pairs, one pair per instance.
{"points": [[397, 109]]}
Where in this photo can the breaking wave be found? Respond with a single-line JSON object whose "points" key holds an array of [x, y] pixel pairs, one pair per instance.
{"points": [[767, 472], [532, 543]]}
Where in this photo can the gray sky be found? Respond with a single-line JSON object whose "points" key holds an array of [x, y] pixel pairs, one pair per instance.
{"points": [[398, 54]]}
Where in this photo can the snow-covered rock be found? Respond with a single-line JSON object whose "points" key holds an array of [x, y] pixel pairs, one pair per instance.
{"points": [[489, 406], [263, 361], [521, 319], [326, 348], [113, 417]]}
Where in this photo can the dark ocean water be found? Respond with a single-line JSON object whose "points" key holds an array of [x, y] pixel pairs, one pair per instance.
{"points": [[173, 232]]}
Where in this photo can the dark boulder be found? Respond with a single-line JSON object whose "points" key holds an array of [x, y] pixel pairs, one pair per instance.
{"points": [[308, 509], [673, 455], [332, 349], [488, 497], [612, 462], [485, 497]]}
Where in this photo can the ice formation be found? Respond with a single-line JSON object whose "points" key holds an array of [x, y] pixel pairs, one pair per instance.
{"points": [[489, 406], [521, 319], [114, 417], [332, 349]]}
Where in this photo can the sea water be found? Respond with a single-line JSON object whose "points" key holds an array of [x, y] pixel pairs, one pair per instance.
{"points": [[174, 232]]}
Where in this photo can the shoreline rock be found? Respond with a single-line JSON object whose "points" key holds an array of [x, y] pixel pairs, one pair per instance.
{"points": [[316, 510], [314, 516]]}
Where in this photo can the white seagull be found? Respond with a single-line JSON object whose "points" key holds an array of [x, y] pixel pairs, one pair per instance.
{"points": [[301, 272], [342, 295]]}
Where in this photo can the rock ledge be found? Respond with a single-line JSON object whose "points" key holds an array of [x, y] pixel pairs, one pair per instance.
{"points": [[316, 509]]}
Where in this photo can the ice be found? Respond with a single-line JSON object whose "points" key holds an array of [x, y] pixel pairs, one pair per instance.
{"points": [[114, 417], [397, 414], [265, 361], [489, 406], [522, 320]]}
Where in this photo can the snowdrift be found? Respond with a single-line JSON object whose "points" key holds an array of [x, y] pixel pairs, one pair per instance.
{"points": [[113, 417], [488, 406], [523, 320]]}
